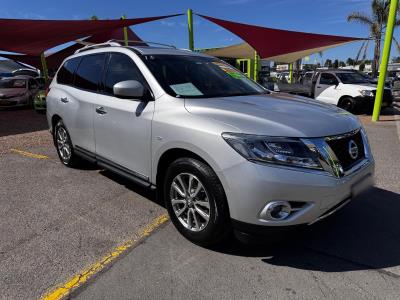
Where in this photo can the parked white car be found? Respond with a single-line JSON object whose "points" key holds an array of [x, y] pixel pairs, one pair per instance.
{"points": [[348, 89]]}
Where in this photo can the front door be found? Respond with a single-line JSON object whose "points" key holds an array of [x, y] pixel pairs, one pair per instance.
{"points": [[325, 89], [122, 127]]}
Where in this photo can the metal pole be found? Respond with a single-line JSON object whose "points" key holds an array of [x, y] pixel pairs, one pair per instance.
{"points": [[125, 31], [44, 67], [256, 65], [385, 59], [190, 28], [290, 72]]}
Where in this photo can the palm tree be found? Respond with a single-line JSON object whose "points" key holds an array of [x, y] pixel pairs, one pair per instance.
{"points": [[377, 25]]}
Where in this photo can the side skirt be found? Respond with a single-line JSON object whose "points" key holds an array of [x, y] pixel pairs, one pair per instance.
{"points": [[113, 167]]}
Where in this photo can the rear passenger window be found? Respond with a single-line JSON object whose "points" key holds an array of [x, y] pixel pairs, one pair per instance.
{"points": [[120, 68], [66, 73], [89, 72]]}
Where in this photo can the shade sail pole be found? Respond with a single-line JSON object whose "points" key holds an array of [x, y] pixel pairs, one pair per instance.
{"points": [[256, 63], [125, 31], [385, 59], [190, 29], [44, 67]]}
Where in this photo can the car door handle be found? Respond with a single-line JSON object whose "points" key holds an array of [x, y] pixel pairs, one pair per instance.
{"points": [[64, 100], [100, 110]]}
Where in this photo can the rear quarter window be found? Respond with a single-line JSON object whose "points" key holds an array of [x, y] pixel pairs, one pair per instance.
{"points": [[66, 73]]}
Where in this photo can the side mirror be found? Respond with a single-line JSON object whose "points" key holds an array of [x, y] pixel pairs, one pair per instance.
{"points": [[129, 89]]}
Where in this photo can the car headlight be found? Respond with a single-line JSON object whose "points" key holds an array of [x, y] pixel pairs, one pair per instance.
{"points": [[367, 93], [274, 150]]}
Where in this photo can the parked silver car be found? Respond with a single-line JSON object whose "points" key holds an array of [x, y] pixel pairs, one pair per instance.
{"points": [[18, 91], [222, 152]]}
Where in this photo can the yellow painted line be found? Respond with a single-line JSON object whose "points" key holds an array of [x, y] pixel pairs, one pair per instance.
{"points": [[29, 154], [79, 279]]}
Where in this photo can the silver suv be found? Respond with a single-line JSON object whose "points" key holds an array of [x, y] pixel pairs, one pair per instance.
{"points": [[223, 153]]}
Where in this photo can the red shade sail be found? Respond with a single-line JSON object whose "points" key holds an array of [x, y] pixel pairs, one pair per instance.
{"points": [[54, 60], [33, 37], [274, 44]]}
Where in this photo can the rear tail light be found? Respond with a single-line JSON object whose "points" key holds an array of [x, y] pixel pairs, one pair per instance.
{"points": [[47, 92]]}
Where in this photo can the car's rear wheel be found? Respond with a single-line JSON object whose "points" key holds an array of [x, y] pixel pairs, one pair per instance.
{"points": [[65, 149], [196, 201]]}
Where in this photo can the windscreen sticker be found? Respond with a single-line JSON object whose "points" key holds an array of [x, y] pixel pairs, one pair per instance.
{"points": [[229, 70], [186, 89]]}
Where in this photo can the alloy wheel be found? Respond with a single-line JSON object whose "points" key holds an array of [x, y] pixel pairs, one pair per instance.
{"points": [[190, 201], [63, 144]]}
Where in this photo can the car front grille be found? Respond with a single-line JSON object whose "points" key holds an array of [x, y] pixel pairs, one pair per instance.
{"points": [[387, 95], [341, 146]]}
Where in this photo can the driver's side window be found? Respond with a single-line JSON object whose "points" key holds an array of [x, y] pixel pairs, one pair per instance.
{"points": [[120, 68], [328, 79]]}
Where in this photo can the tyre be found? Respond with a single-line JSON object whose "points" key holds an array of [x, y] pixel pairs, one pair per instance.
{"points": [[348, 104], [65, 149], [196, 202]]}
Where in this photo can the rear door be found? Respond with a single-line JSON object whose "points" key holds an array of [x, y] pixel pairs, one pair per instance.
{"points": [[325, 89], [78, 101], [123, 126]]}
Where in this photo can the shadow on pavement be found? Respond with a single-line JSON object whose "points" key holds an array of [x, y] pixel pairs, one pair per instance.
{"points": [[363, 235], [21, 120], [148, 193]]}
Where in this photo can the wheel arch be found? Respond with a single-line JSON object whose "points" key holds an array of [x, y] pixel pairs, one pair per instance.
{"points": [[170, 155]]}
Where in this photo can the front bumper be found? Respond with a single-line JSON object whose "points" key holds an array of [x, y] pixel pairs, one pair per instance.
{"points": [[250, 187], [14, 102], [366, 104]]}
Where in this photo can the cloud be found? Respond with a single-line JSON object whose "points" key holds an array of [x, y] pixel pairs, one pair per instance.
{"points": [[168, 23]]}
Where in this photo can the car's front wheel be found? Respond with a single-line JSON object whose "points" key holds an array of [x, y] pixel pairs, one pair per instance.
{"points": [[348, 104], [65, 149], [196, 202]]}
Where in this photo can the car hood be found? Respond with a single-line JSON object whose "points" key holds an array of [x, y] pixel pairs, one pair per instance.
{"points": [[11, 92], [276, 115], [364, 86]]}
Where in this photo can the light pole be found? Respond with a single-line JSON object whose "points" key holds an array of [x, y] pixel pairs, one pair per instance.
{"points": [[385, 59]]}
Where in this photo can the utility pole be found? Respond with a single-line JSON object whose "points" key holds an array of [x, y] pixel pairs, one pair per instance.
{"points": [[385, 59], [190, 28]]}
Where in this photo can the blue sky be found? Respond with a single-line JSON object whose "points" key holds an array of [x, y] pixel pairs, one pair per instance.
{"points": [[318, 16]]}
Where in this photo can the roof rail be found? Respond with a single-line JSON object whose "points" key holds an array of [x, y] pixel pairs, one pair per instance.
{"points": [[90, 46], [122, 43]]}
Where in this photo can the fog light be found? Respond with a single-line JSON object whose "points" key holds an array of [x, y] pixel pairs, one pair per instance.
{"points": [[278, 210]]}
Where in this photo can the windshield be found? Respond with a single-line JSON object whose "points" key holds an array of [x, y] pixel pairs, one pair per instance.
{"points": [[352, 78], [199, 77], [12, 83]]}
